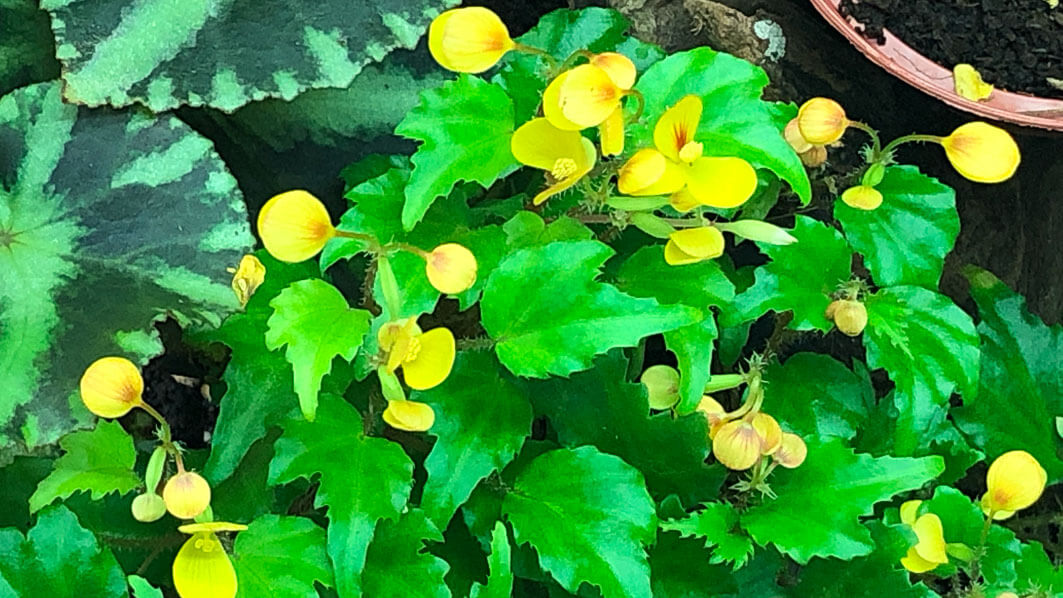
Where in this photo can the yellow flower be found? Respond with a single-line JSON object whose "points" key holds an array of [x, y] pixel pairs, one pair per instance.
{"points": [[769, 431], [822, 121], [426, 358], [566, 156], [451, 268], [678, 167], [862, 197], [662, 386], [1015, 481], [294, 226], [737, 444], [201, 568], [611, 133], [619, 68], [714, 412], [849, 316], [111, 386], [792, 451], [187, 494], [929, 550], [982, 153], [691, 245], [811, 155], [409, 415], [969, 83], [468, 40], [247, 277], [590, 95]]}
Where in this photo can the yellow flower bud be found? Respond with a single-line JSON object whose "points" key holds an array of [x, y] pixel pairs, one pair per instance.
{"points": [[769, 431], [187, 494], [111, 386], [1015, 481], [148, 507], [849, 316], [822, 121], [862, 197], [737, 445], [714, 412], [662, 385], [929, 550], [468, 40], [692, 245], [201, 568], [792, 134], [611, 133], [247, 277], [1007, 595], [982, 153], [792, 451], [451, 268], [409, 415], [294, 226]]}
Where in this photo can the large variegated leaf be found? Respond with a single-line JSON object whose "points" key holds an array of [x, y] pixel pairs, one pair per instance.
{"points": [[224, 53], [27, 53], [107, 222]]}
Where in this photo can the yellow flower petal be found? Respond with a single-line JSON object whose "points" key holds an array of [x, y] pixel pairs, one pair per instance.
{"points": [[822, 121], [677, 126], [574, 171], [111, 386], [792, 451], [566, 156], [711, 408], [294, 226], [552, 109], [915, 563], [203, 570], [770, 432], [399, 341], [705, 242], [982, 153], [588, 96], [931, 536], [451, 268], [683, 201], [619, 68], [611, 133], [468, 40], [409, 415], [1015, 481], [862, 197], [721, 182], [187, 494], [211, 526], [793, 136], [433, 361], [737, 445], [969, 83], [248, 276], [648, 172], [910, 511], [814, 157]]}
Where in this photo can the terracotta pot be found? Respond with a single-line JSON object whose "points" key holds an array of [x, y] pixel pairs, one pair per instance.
{"points": [[919, 71]]}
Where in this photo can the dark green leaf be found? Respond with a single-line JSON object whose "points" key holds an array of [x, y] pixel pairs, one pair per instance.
{"points": [[680, 569], [500, 580], [397, 565], [717, 526], [281, 557], [816, 395], [27, 50]]}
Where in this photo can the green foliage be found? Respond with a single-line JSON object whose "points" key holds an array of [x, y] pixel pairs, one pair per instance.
{"points": [[99, 461], [396, 564], [27, 52], [716, 525], [815, 395], [500, 581], [281, 556]]}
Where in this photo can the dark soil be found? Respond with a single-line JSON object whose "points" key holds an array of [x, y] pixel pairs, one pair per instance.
{"points": [[1016, 44]]}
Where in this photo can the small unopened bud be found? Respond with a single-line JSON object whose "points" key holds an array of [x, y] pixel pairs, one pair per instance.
{"points": [[294, 226], [187, 494], [849, 316], [662, 385], [792, 451], [451, 268], [111, 386], [148, 507], [822, 121], [247, 277], [758, 230], [873, 175]]}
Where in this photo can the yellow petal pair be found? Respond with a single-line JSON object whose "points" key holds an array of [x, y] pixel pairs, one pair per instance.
{"points": [[566, 156], [822, 121], [1015, 481], [468, 40], [982, 153], [451, 268], [111, 386], [409, 415], [677, 167], [201, 568], [862, 197], [247, 277], [792, 451], [929, 550], [426, 358], [587, 95], [294, 226], [691, 245]]}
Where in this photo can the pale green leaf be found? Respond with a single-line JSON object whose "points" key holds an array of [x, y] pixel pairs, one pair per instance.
{"points": [[98, 461], [142, 589]]}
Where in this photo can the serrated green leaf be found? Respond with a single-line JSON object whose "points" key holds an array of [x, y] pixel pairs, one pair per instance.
{"points": [[588, 516], [680, 569], [549, 315], [500, 579], [362, 480], [816, 395], [27, 51], [735, 121], [142, 589], [314, 320], [397, 565], [862, 577], [223, 57], [904, 241], [528, 229], [962, 521], [482, 418], [108, 221], [929, 346], [60, 552], [800, 277], [98, 461], [1020, 391], [819, 504], [717, 526], [281, 557], [465, 127], [246, 494]]}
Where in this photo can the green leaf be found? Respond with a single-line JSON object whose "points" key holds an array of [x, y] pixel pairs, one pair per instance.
{"points": [[716, 524], [929, 346], [863, 577], [60, 553], [599, 407], [397, 565], [815, 395], [98, 461], [362, 480], [1020, 391], [142, 589], [681, 569], [962, 521], [223, 57], [904, 241], [735, 121], [800, 277], [314, 320], [588, 516], [528, 229], [500, 579], [464, 126], [819, 504], [108, 221], [281, 557], [549, 315], [482, 418], [27, 51]]}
